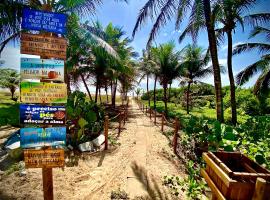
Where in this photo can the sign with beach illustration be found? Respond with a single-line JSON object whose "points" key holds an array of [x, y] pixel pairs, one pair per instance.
{"points": [[43, 45], [39, 92], [39, 137], [42, 69], [44, 158], [44, 21], [36, 114]]}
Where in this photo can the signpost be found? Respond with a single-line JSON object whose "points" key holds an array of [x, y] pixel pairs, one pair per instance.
{"points": [[44, 69], [38, 137], [45, 115], [43, 45], [36, 92], [44, 158], [44, 21]]}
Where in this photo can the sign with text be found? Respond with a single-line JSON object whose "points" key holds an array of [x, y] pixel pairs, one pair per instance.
{"points": [[45, 46], [39, 92], [39, 137], [44, 21], [35, 114], [45, 69], [44, 158]]}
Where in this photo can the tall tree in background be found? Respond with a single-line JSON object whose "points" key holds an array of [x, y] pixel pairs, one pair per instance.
{"points": [[165, 11], [194, 66], [9, 79]]}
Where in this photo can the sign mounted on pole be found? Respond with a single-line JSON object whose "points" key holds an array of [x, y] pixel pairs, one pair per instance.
{"points": [[44, 21], [46, 115], [42, 69], [39, 137], [37, 92], [44, 158], [43, 45]]}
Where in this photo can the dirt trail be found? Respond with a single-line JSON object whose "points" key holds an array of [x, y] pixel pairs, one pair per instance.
{"points": [[137, 166]]}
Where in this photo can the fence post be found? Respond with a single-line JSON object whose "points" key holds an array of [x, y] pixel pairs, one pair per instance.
{"points": [[119, 126], [150, 111], [162, 121], [260, 189], [106, 128], [155, 116], [176, 126]]}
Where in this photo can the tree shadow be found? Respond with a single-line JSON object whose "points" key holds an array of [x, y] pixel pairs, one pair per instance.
{"points": [[154, 191]]}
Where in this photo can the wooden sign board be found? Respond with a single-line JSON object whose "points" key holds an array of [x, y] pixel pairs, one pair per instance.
{"points": [[45, 46], [40, 20], [44, 158], [40, 137], [42, 69], [37, 92]]}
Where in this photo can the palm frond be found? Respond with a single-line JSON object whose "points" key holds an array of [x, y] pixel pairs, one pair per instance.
{"points": [[261, 47], [260, 30], [262, 84], [257, 19]]}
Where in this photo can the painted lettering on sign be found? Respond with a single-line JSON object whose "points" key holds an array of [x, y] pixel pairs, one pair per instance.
{"points": [[44, 21], [39, 137], [44, 69], [36, 92], [43, 45], [35, 114], [44, 158]]}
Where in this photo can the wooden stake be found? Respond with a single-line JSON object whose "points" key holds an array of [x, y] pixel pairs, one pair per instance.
{"points": [[162, 121], [106, 128], [260, 190], [119, 127], [47, 178], [155, 116]]}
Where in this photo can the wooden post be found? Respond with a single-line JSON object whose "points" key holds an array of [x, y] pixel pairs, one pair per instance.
{"points": [[124, 117], [119, 126], [175, 135], [162, 121], [106, 128], [150, 111], [47, 179], [155, 116], [260, 190]]}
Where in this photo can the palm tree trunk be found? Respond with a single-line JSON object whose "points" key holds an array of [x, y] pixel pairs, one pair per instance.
{"points": [[106, 91], [86, 87], [155, 85], [214, 56], [100, 101], [232, 84], [169, 97], [96, 95], [165, 85], [114, 93], [148, 96], [188, 91]]}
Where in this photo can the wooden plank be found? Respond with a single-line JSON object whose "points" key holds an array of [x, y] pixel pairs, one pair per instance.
{"points": [[43, 45], [219, 172], [259, 192], [251, 176], [47, 179], [220, 163], [44, 158], [254, 165], [211, 184]]}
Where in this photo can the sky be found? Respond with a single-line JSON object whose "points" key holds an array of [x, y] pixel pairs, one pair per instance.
{"points": [[125, 15]]}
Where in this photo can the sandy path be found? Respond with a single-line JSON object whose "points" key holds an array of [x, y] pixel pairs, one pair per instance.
{"points": [[137, 166]]}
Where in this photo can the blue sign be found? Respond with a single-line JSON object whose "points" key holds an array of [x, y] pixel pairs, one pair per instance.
{"points": [[38, 137], [35, 114], [44, 21]]}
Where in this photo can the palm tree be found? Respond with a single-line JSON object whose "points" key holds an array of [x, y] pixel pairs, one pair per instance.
{"points": [[9, 78], [179, 8], [263, 65], [194, 66], [167, 59]]}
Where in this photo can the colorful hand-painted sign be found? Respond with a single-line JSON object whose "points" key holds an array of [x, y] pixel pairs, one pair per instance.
{"points": [[44, 21], [43, 45], [44, 158], [45, 69], [39, 137], [35, 114], [38, 92]]}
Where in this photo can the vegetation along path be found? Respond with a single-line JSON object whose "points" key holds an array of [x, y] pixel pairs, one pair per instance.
{"points": [[137, 166]]}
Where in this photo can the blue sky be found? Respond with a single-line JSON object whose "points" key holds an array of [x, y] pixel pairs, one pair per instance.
{"points": [[125, 15]]}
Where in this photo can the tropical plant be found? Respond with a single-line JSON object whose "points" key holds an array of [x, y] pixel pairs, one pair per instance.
{"points": [[194, 66], [166, 12], [9, 78], [263, 65], [167, 59]]}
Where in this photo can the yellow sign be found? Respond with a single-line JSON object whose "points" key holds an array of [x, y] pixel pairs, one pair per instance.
{"points": [[37, 92]]}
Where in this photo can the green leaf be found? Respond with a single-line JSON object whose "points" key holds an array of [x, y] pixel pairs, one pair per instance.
{"points": [[91, 116], [228, 148], [82, 122], [259, 158]]}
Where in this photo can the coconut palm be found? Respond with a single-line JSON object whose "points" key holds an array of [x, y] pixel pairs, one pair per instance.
{"points": [[262, 66], [194, 67], [165, 11], [167, 59], [9, 79]]}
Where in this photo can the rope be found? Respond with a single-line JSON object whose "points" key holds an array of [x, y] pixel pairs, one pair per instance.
{"points": [[115, 116]]}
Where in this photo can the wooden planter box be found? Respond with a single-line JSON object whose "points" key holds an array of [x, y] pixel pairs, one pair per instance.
{"points": [[234, 176]]}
